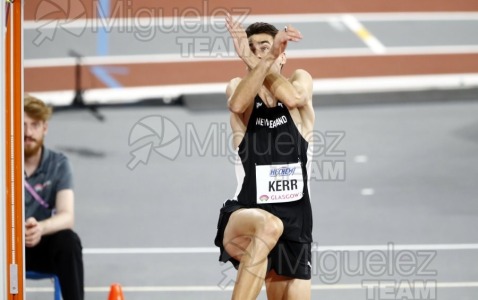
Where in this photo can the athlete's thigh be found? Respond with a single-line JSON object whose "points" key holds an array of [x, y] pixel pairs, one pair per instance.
{"points": [[298, 289], [280, 287], [276, 285], [240, 230]]}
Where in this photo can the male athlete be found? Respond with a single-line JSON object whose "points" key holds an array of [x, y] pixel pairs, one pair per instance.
{"points": [[265, 230], [51, 244]]}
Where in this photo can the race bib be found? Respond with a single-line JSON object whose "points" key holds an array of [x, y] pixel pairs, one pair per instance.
{"points": [[279, 183]]}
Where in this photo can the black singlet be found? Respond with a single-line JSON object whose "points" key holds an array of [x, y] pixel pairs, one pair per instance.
{"points": [[273, 139]]}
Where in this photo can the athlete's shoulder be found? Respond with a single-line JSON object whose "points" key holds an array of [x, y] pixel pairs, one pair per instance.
{"points": [[301, 75], [232, 85]]}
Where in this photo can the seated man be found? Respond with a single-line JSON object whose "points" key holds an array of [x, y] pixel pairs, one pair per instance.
{"points": [[51, 245]]}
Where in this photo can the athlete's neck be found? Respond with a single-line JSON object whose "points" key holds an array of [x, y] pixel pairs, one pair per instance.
{"points": [[267, 97]]}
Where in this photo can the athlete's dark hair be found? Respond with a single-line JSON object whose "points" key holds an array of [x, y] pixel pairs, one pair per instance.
{"points": [[261, 27]]}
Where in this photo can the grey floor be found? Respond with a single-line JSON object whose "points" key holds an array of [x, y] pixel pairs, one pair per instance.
{"points": [[394, 177]]}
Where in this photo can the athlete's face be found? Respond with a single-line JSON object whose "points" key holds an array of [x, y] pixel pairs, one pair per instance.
{"points": [[261, 43], [34, 133]]}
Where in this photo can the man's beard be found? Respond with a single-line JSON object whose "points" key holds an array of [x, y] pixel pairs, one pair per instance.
{"points": [[33, 148]]}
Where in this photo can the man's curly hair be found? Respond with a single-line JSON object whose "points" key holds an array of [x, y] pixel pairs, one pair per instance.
{"points": [[36, 109]]}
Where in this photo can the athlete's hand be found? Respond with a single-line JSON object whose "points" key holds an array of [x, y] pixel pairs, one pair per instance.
{"points": [[239, 37], [33, 232], [282, 38]]}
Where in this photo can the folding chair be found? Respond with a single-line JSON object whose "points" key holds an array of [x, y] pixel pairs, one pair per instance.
{"points": [[56, 282]]}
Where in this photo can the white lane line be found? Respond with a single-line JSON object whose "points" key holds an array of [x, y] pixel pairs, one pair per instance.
{"points": [[360, 159], [337, 24], [363, 159], [130, 23], [175, 250], [417, 16], [380, 16], [201, 250], [452, 49], [399, 247], [367, 192], [166, 250], [321, 87], [371, 41], [213, 288], [395, 83]]}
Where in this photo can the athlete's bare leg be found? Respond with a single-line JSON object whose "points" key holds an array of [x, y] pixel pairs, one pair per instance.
{"points": [[249, 236], [286, 288]]}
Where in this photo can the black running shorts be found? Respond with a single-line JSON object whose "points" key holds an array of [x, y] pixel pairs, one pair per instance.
{"points": [[287, 258]]}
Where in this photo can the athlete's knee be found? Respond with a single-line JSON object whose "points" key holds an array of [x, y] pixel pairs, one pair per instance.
{"points": [[269, 227], [275, 227]]}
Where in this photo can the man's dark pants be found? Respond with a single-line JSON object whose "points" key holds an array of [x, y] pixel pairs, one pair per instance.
{"points": [[61, 254]]}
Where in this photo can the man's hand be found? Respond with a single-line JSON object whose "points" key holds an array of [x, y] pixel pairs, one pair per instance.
{"points": [[33, 232], [239, 37], [282, 37]]}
